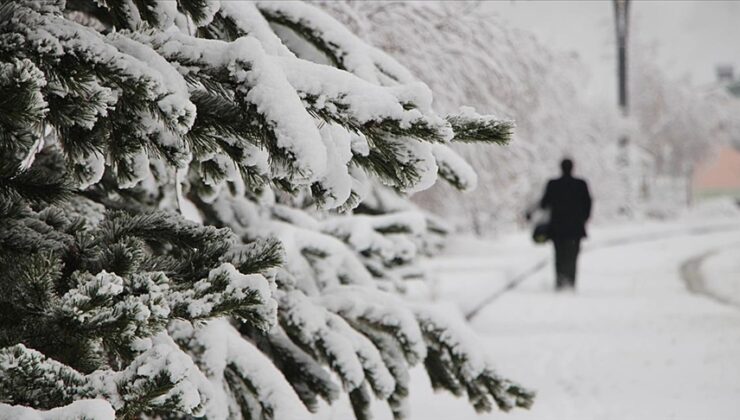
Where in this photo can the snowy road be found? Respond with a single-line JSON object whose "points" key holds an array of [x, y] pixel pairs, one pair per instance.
{"points": [[632, 343]]}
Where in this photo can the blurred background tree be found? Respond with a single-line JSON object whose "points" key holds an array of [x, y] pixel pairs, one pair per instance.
{"points": [[500, 67]]}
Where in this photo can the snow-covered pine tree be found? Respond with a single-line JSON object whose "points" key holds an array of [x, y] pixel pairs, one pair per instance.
{"points": [[190, 219]]}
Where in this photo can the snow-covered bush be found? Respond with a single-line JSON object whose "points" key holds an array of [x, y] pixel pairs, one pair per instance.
{"points": [[191, 222], [516, 75], [499, 67]]}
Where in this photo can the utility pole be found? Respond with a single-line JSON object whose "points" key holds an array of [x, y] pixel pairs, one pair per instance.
{"points": [[621, 26]]}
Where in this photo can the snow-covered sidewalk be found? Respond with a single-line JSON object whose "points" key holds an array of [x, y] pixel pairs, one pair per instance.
{"points": [[475, 269], [720, 272], [632, 343]]}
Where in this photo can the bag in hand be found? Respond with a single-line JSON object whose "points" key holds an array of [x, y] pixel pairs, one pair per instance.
{"points": [[541, 233], [541, 223]]}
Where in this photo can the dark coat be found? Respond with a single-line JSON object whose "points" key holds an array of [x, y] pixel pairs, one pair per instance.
{"points": [[569, 203]]}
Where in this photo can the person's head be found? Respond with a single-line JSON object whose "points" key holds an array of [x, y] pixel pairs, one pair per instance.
{"points": [[566, 165]]}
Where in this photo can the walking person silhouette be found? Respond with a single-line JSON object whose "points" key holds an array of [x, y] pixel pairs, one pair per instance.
{"points": [[569, 202]]}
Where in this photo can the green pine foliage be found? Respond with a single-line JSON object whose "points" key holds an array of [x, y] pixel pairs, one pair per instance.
{"points": [[197, 220]]}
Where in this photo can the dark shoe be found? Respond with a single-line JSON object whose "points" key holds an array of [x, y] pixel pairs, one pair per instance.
{"points": [[565, 287]]}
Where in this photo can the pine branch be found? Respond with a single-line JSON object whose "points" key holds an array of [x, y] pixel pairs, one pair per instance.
{"points": [[472, 127], [307, 377], [29, 378], [37, 184], [22, 104], [449, 366], [199, 10], [257, 256]]}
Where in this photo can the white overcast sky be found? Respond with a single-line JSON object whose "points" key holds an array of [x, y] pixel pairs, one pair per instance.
{"points": [[690, 37]]}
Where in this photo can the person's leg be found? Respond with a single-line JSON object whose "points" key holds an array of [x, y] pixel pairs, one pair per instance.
{"points": [[560, 262], [574, 247]]}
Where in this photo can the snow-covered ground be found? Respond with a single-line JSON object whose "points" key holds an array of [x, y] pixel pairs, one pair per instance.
{"points": [[472, 269], [720, 272], [631, 343]]}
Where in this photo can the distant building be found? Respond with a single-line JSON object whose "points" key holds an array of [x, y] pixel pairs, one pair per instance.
{"points": [[719, 174]]}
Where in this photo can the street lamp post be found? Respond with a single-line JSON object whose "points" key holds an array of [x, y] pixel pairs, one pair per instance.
{"points": [[621, 25]]}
